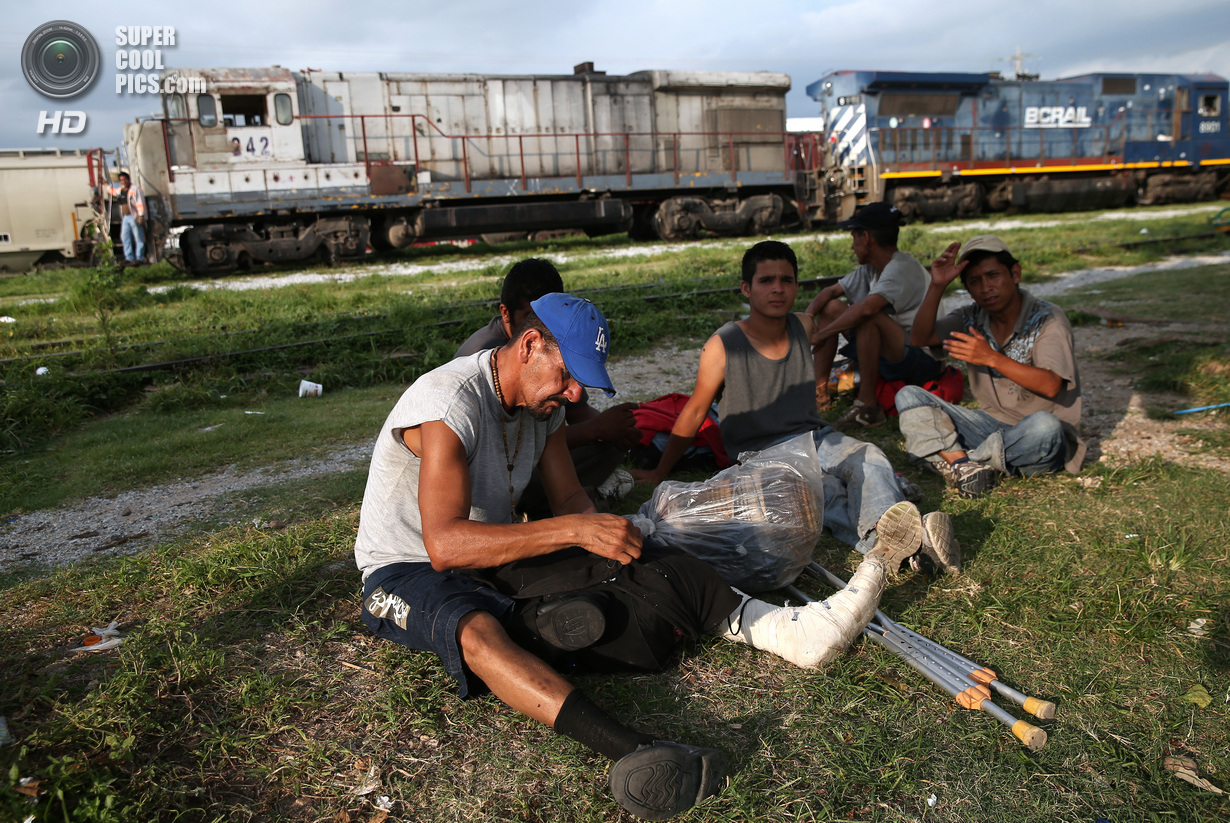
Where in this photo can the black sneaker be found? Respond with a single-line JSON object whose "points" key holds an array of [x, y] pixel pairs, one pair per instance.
{"points": [[571, 623], [661, 779]]}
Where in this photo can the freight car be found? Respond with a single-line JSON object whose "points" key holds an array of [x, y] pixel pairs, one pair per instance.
{"points": [[45, 206], [942, 145], [275, 165]]}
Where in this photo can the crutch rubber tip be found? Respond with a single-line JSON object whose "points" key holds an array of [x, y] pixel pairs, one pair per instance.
{"points": [[1041, 709], [1033, 737]]}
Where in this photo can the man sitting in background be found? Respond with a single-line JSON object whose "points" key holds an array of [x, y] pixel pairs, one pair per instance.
{"points": [[1022, 371], [763, 369], [883, 294], [597, 441]]}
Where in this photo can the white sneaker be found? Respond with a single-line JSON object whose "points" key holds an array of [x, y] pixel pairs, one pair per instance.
{"points": [[899, 534]]}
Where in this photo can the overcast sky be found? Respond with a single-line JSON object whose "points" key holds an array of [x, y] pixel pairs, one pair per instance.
{"points": [[803, 39]]}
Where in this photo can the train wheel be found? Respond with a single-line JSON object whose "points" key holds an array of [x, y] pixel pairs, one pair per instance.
{"points": [[675, 220], [496, 238]]}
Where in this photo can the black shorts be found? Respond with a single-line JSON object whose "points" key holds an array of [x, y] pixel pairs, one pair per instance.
{"points": [[650, 606], [915, 367], [417, 606]]}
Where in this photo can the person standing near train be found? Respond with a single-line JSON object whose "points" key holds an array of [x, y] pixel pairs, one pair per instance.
{"points": [[132, 228], [1022, 368]]}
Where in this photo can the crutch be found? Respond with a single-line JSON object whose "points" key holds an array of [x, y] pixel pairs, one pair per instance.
{"points": [[1041, 709], [943, 672]]}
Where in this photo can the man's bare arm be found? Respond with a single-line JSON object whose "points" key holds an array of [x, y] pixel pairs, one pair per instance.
{"points": [[616, 425], [854, 315], [822, 299], [710, 376], [944, 270], [453, 541]]}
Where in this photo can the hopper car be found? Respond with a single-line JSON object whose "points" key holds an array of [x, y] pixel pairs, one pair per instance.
{"points": [[45, 206]]}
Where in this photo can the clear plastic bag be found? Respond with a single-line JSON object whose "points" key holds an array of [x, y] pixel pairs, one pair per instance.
{"points": [[756, 523]]}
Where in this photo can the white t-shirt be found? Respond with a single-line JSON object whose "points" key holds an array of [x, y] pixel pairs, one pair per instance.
{"points": [[460, 393], [903, 283]]}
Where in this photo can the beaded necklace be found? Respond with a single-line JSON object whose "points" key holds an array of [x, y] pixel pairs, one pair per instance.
{"points": [[499, 393]]}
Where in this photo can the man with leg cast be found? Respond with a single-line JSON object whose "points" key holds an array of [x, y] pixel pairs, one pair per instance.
{"points": [[447, 568]]}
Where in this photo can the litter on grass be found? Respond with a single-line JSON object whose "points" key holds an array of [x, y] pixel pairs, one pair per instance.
{"points": [[101, 640], [1184, 768], [309, 389]]}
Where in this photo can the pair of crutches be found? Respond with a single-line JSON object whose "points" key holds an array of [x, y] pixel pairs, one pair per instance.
{"points": [[968, 683]]}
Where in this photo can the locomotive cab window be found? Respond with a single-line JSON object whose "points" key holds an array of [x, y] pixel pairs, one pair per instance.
{"points": [[1119, 86], [281, 109], [239, 110], [935, 104], [1210, 105], [207, 110], [176, 109]]}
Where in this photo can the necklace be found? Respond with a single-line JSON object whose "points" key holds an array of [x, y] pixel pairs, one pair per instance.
{"points": [[499, 393]]}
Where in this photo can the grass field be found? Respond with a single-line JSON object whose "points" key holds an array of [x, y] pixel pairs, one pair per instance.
{"points": [[249, 690]]}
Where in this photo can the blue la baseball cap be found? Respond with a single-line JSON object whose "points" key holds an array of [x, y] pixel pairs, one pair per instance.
{"points": [[582, 334]]}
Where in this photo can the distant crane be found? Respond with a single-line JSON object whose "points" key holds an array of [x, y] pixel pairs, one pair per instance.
{"points": [[1018, 60]]}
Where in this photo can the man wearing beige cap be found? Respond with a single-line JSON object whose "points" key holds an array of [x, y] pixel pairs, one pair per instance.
{"points": [[1022, 371]]}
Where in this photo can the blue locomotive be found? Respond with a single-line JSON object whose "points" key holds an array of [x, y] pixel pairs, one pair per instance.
{"points": [[953, 145]]}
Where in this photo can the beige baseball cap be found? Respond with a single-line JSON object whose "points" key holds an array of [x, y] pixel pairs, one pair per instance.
{"points": [[983, 242]]}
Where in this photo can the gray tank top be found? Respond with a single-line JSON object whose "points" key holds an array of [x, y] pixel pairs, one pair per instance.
{"points": [[765, 401]]}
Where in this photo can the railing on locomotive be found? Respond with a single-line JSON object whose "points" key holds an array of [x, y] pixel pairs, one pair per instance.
{"points": [[787, 139], [1126, 126]]}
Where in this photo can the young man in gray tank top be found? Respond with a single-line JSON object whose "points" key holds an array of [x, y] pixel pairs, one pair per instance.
{"points": [[763, 370]]}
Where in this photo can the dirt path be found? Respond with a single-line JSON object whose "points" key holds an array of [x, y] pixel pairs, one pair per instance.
{"points": [[1115, 424]]}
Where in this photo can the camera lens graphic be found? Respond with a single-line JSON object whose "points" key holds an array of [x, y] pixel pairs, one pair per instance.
{"points": [[60, 59]]}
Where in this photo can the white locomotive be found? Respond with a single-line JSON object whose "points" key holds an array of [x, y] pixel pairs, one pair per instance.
{"points": [[275, 165]]}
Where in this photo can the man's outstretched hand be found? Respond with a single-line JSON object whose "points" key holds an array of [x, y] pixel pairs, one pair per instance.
{"points": [[617, 425], [972, 348]]}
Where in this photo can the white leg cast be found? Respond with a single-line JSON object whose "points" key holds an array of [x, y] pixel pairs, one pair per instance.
{"points": [[810, 636]]}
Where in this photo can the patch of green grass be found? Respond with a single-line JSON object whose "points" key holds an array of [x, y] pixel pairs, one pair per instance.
{"points": [[146, 446], [1196, 295], [249, 689]]}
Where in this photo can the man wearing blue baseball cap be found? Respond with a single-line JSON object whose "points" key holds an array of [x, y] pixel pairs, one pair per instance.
{"points": [[598, 441], [449, 568]]}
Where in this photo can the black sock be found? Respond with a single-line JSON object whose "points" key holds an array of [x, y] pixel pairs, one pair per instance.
{"points": [[590, 726]]}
